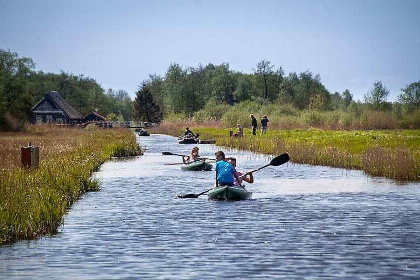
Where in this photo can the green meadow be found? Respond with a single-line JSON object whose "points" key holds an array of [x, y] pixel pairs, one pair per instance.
{"points": [[392, 154]]}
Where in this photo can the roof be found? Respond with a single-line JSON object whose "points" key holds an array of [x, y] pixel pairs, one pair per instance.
{"points": [[62, 104], [96, 115]]}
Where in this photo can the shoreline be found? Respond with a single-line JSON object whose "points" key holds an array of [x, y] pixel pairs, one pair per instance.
{"points": [[392, 154]]}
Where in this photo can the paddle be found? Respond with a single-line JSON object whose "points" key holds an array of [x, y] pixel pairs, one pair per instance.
{"points": [[279, 160], [192, 195], [172, 154]]}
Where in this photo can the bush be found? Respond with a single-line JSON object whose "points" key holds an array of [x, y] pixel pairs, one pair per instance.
{"points": [[211, 112], [235, 116], [10, 123], [313, 118], [378, 120]]}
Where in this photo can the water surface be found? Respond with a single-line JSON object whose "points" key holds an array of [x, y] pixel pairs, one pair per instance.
{"points": [[303, 222]]}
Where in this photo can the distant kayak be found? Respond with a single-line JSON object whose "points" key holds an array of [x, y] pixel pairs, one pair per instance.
{"points": [[143, 133], [188, 139], [229, 193], [198, 165]]}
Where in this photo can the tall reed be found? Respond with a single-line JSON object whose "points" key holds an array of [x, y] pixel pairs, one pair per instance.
{"points": [[34, 201], [392, 154]]}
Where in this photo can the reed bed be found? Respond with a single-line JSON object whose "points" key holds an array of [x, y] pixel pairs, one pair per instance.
{"points": [[393, 154], [34, 201]]}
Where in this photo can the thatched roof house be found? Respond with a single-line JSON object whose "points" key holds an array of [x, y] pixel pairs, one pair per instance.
{"points": [[54, 109]]}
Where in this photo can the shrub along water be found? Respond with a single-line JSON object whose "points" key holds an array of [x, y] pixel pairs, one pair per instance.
{"points": [[393, 154], [34, 201]]}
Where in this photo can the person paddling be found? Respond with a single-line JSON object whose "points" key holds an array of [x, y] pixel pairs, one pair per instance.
{"points": [[225, 172], [193, 157], [188, 132], [249, 178]]}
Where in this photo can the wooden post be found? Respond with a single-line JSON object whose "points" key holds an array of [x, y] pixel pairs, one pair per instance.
{"points": [[30, 156]]}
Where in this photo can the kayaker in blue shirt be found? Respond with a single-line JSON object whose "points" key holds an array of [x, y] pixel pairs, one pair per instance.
{"points": [[225, 172]]}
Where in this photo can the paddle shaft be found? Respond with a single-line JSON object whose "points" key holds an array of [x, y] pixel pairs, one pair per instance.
{"points": [[172, 154], [192, 195]]}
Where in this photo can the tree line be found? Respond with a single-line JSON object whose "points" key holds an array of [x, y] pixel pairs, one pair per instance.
{"points": [[196, 91], [21, 87], [201, 93]]}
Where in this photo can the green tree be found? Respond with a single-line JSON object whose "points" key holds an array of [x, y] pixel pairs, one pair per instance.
{"points": [[279, 80], [347, 97], [411, 96], [264, 71], [337, 101], [145, 107], [243, 89], [223, 84], [377, 96], [16, 99], [112, 117], [174, 89]]}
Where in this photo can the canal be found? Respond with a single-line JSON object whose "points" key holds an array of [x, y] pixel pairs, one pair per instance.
{"points": [[302, 222]]}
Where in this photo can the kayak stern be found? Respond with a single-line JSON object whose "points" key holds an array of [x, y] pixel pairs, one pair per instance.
{"points": [[229, 193]]}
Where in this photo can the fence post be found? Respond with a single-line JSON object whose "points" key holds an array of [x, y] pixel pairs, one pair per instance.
{"points": [[30, 156]]}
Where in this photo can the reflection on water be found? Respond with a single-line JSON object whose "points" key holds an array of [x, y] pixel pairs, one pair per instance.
{"points": [[303, 222]]}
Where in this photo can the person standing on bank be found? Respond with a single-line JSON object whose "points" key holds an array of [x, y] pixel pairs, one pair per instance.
{"points": [[253, 124], [264, 122]]}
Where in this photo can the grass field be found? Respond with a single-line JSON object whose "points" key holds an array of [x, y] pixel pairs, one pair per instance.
{"points": [[392, 154], [34, 201]]}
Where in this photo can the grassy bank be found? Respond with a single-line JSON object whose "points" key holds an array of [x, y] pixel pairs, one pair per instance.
{"points": [[392, 154], [33, 202]]}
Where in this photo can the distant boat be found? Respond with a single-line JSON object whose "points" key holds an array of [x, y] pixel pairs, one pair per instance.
{"points": [[188, 139], [143, 132]]}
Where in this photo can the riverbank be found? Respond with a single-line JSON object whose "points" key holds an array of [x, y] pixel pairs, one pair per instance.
{"points": [[393, 154], [33, 202]]}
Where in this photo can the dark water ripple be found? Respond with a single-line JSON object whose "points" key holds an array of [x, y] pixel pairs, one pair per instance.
{"points": [[304, 222]]}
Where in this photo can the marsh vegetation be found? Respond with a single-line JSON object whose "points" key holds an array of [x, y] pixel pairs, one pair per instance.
{"points": [[33, 201]]}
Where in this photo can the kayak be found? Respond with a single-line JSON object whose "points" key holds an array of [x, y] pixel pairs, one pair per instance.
{"points": [[229, 193], [144, 133], [197, 166], [187, 140]]}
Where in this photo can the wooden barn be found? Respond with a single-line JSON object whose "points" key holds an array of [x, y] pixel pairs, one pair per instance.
{"points": [[54, 109], [94, 117]]}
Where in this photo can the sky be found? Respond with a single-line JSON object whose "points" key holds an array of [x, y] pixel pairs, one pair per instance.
{"points": [[350, 44]]}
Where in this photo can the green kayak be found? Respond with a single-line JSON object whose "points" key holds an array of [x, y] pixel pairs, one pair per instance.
{"points": [[197, 166], [229, 193]]}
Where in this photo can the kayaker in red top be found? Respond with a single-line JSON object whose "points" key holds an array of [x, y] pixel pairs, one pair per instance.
{"points": [[247, 178], [193, 157]]}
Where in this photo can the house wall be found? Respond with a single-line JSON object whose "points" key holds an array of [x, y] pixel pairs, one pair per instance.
{"points": [[49, 118]]}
